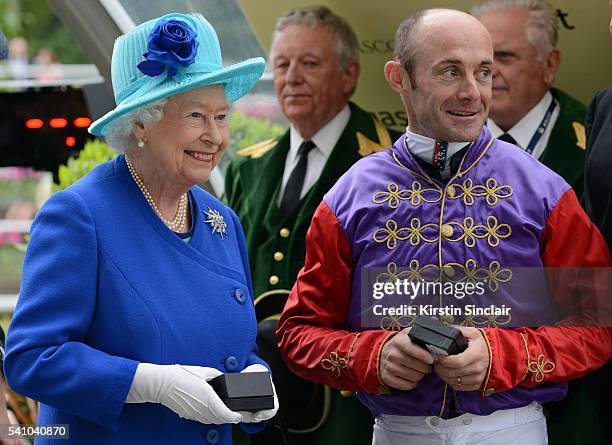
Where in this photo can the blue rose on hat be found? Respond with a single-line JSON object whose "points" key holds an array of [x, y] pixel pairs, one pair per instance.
{"points": [[172, 44], [181, 44]]}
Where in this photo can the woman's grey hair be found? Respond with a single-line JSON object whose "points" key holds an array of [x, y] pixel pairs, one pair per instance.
{"points": [[120, 135], [542, 27], [347, 45]]}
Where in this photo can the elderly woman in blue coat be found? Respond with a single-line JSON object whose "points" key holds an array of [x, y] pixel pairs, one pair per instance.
{"points": [[136, 288]]}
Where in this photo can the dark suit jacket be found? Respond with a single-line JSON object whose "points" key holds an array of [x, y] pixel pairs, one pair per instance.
{"points": [[598, 169]]}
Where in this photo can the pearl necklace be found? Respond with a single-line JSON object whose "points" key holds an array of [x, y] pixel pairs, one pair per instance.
{"points": [[177, 224]]}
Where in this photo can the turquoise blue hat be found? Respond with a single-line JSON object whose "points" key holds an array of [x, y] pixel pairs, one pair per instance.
{"points": [[170, 55]]}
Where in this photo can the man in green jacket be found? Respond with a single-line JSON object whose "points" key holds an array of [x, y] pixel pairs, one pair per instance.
{"points": [[550, 125], [275, 187], [525, 110]]}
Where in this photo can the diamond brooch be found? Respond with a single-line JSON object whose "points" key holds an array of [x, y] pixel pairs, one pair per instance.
{"points": [[216, 221]]}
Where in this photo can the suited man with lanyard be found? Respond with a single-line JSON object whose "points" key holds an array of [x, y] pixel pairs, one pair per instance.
{"points": [[525, 109], [275, 187], [549, 124]]}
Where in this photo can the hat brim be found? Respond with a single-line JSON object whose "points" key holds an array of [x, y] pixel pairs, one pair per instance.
{"points": [[238, 80]]}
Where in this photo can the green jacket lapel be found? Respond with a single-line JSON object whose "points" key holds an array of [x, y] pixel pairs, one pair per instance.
{"points": [[260, 193]]}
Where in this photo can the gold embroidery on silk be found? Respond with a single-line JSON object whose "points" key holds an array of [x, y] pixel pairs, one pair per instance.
{"points": [[468, 191], [496, 274], [527, 352], [413, 273], [538, 367], [348, 355], [486, 321], [463, 172], [396, 322], [486, 381], [469, 270], [419, 194], [492, 191], [541, 367], [335, 363], [423, 177], [493, 231], [416, 230], [416, 195], [391, 234], [493, 274], [393, 196]]}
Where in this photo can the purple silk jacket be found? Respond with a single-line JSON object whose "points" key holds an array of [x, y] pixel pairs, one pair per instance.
{"points": [[492, 215]]}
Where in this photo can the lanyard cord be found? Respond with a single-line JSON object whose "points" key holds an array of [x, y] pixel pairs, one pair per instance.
{"points": [[541, 128]]}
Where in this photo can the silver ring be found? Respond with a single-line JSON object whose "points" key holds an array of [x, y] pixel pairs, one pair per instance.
{"points": [[459, 380]]}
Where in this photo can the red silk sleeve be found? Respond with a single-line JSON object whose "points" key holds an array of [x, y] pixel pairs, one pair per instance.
{"points": [[312, 333], [582, 341]]}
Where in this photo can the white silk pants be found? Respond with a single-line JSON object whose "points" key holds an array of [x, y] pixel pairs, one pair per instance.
{"points": [[519, 426]]}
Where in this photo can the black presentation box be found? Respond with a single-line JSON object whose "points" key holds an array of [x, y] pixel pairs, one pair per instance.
{"points": [[249, 391], [438, 338]]}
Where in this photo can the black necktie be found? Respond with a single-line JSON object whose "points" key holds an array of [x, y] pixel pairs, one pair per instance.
{"points": [[506, 137], [295, 183]]}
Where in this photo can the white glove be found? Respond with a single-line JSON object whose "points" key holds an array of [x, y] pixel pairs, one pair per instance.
{"points": [[264, 414], [183, 389]]}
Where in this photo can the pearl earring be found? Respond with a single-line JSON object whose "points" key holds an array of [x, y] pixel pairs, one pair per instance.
{"points": [[141, 143]]}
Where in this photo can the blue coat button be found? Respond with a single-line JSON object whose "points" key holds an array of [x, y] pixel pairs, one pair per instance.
{"points": [[231, 363], [240, 296], [212, 436]]}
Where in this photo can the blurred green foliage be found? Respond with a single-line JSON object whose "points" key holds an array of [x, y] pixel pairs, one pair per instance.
{"points": [[23, 190], [34, 20], [246, 131], [11, 261], [95, 152]]}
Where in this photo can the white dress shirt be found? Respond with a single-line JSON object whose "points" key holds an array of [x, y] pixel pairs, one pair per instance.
{"points": [[325, 140], [423, 148], [523, 130]]}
